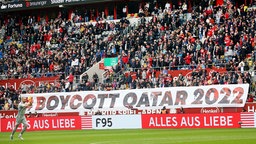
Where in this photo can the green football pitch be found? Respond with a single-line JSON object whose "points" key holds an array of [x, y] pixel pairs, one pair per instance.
{"points": [[136, 136]]}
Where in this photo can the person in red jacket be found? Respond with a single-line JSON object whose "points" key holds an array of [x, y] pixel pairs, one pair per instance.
{"points": [[250, 98], [187, 59], [71, 80]]}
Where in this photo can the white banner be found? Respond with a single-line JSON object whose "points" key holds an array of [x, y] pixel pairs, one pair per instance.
{"points": [[141, 99]]}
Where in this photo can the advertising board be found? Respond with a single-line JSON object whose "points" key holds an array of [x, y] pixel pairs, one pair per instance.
{"points": [[220, 120], [44, 123], [138, 121]]}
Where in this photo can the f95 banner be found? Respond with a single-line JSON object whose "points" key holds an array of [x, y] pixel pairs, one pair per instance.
{"points": [[141, 99], [116, 122]]}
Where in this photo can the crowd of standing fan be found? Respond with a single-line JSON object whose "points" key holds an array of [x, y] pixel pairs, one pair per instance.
{"points": [[220, 36]]}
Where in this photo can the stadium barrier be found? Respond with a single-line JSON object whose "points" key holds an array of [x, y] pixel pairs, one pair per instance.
{"points": [[17, 83], [139, 121], [249, 107]]}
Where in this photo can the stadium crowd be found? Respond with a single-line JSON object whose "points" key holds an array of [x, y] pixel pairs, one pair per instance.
{"points": [[173, 39]]}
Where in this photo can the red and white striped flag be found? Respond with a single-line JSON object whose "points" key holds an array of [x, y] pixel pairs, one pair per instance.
{"points": [[247, 120], [86, 122]]}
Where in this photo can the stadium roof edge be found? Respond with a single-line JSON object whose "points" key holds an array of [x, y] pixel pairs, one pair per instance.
{"points": [[40, 4]]}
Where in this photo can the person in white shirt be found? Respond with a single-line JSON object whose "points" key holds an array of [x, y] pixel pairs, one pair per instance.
{"points": [[167, 6], [23, 105]]}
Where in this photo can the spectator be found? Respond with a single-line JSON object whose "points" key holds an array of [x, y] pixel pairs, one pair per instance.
{"points": [[36, 114], [250, 98], [6, 105], [164, 110], [70, 80], [98, 112], [29, 115], [181, 110]]}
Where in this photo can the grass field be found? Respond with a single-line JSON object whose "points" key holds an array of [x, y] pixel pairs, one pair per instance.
{"points": [[138, 136]]}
